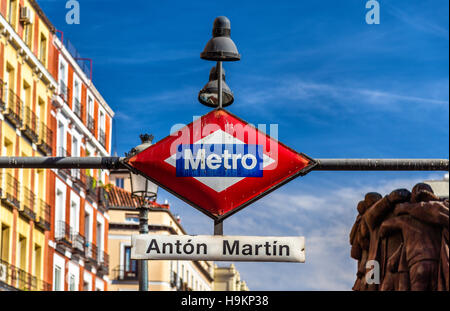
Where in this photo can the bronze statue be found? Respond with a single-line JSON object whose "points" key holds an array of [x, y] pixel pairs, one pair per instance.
{"points": [[406, 234]]}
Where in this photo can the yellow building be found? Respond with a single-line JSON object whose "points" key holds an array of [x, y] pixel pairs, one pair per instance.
{"points": [[228, 279], [26, 88]]}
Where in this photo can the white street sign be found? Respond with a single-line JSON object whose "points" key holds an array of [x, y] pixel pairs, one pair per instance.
{"points": [[218, 248]]}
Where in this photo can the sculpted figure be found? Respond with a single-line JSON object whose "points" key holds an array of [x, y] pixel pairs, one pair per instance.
{"points": [[407, 235]]}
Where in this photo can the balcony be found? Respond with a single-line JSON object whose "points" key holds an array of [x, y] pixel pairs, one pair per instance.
{"points": [[62, 152], [79, 244], [44, 211], [102, 197], [77, 108], [103, 262], [13, 111], [91, 188], [2, 95], [10, 191], [78, 178], [20, 279], [90, 124], [27, 208], [64, 91], [63, 233], [29, 128], [125, 273], [102, 138], [91, 254], [45, 139]]}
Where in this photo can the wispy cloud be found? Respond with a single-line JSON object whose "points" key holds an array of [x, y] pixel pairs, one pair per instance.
{"points": [[418, 22], [313, 96]]}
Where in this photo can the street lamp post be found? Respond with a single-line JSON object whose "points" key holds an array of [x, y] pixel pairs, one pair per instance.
{"points": [[220, 48], [145, 191]]}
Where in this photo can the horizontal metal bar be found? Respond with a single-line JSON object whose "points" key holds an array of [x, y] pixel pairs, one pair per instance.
{"points": [[381, 165], [62, 162], [322, 164]]}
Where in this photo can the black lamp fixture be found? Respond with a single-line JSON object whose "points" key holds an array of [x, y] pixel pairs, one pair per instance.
{"points": [[220, 48], [141, 187], [208, 95]]}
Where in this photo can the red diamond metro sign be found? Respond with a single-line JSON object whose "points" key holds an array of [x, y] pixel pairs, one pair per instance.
{"points": [[220, 164]]}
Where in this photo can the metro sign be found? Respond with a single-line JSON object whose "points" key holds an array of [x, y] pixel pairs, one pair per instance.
{"points": [[219, 164]]}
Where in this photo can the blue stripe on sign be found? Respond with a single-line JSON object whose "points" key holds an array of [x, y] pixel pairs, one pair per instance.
{"points": [[225, 160]]}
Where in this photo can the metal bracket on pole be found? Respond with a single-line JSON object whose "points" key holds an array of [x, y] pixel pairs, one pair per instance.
{"points": [[218, 227]]}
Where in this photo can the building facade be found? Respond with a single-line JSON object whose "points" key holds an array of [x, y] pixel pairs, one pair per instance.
{"points": [[228, 278], [54, 223], [164, 275]]}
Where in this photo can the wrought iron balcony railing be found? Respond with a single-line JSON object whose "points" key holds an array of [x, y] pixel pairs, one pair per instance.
{"points": [[44, 214], [2, 95], [30, 124], [64, 233], [14, 106], [10, 193], [62, 152], [45, 139], [63, 91], [77, 107], [90, 124], [103, 261], [27, 206], [20, 279], [91, 252], [102, 137], [79, 243], [125, 273]]}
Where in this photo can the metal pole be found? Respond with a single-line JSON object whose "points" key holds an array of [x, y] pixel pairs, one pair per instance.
{"points": [[381, 165], [218, 227], [62, 162], [322, 164], [219, 81], [142, 264]]}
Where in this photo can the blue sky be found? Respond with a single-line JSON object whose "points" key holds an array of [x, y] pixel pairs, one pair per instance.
{"points": [[336, 86]]}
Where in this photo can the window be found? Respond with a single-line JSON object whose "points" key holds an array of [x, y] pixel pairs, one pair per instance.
{"points": [[132, 218], [86, 286], [100, 241], [60, 214], [87, 226], [60, 140], [120, 182], [72, 283], [28, 34], [57, 275], [130, 265], [22, 253], [37, 261], [75, 147], [4, 246], [43, 49], [12, 12], [74, 216]]}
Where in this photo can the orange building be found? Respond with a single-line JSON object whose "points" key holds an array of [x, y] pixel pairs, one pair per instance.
{"points": [[53, 223]]}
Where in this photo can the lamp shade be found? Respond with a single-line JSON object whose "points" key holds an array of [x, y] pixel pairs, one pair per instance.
{"points": [[142, 187], [208, 95], [221, 47]]}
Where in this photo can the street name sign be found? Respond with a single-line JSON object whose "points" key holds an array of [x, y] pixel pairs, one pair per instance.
{"points": [[219, 164], [218, 248]]}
